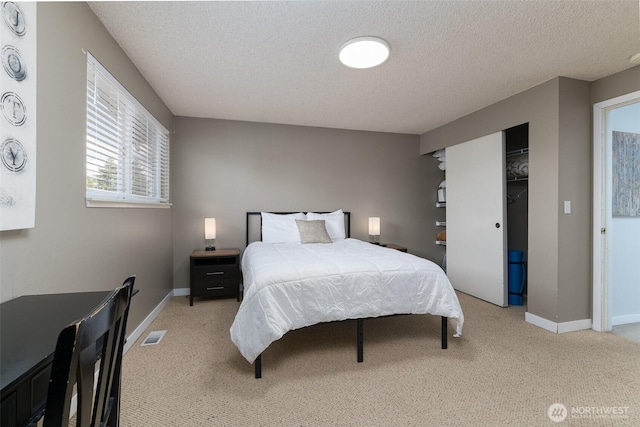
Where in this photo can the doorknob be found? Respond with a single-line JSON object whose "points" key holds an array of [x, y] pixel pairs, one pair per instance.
{"points": [[497, 225]]}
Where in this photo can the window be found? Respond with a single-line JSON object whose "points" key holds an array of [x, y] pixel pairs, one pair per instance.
{"points": [[127, 148]]}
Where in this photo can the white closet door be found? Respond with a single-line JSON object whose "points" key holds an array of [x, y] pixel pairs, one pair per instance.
{"points": [[476, 214]]}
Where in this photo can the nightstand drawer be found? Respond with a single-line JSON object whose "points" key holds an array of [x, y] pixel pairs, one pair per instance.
{"points": [[216, 288], [221, 272]]}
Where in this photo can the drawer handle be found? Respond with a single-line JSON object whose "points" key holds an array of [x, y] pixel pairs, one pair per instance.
{"points": [[212, 273], [215, 288]]}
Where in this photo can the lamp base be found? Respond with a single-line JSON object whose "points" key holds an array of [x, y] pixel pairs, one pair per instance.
{"points": [[210, 248]]}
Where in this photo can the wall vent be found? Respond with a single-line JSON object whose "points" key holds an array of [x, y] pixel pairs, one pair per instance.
{"points": [[154, 338]]}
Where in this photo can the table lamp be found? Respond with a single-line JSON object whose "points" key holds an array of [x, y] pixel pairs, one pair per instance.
{"points": [[210, 232], [374, 229]]}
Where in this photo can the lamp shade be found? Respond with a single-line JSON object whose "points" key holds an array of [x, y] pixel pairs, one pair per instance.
{"points": [[374, 226], [209, 228]]}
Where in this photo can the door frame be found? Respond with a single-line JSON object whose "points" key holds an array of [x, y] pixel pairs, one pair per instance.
{"points": [[601, 278]]}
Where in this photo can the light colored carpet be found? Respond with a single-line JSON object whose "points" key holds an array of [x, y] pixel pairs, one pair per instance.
{"points": [[501, 372], [630, 331]]}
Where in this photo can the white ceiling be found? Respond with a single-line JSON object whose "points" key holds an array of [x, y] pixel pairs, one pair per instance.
{"points": [[277, 62]]}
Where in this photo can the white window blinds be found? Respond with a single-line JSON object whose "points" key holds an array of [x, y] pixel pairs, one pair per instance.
{"points": [[127, 148]]}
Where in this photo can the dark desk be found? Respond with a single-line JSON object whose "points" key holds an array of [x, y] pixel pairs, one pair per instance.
{"points": [[29, 328]]}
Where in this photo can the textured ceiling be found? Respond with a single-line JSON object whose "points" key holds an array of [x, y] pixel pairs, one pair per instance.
{"points": [[278, 62]]}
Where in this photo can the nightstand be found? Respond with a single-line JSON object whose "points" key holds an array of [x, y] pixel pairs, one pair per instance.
{"points": [[396, 247], [215, 274]]}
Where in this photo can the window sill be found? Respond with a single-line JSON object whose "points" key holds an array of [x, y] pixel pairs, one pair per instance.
{"points": [[97, 203]]}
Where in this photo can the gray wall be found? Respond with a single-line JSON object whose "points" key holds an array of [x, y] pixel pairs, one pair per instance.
{"points": [[74, 248], [224, 168], [539, 107], [615, 85], [574, 184], [559, 113]]}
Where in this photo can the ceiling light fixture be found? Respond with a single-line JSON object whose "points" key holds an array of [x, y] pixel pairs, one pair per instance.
{"points": [[364, 52]]}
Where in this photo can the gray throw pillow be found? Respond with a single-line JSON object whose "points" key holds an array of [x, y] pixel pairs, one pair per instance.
{"points": [[314, 231]]}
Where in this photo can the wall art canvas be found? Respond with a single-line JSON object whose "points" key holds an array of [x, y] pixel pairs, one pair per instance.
{"points": [[18, 118], [626, 174]]}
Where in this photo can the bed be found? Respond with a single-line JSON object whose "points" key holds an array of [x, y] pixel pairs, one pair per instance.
{"points": [[292, 281]]}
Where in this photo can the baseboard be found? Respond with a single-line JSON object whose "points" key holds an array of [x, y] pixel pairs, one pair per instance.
{"points": [[558, 328], [574, 325], [541, 322], [623, 320], [180, 292], [137, 333]]}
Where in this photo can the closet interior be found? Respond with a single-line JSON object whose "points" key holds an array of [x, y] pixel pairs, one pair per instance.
{"points": [[517, 177]]}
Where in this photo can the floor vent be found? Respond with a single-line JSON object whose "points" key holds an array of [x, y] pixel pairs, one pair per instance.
{"points": [[154, 338]]}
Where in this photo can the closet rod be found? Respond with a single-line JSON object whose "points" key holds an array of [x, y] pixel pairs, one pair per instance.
{"points": [[516, 152], [518, 179]]}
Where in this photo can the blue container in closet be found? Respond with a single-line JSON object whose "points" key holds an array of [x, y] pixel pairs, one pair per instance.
{"points": [[517, 276]]}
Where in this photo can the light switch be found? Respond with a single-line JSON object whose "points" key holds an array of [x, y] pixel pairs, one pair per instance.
{"points": [[567, 206]]}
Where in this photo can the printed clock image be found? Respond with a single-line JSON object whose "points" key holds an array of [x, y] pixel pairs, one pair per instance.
{"points": [[14, 18], [14, 156], [13, 108], [13, 63]]}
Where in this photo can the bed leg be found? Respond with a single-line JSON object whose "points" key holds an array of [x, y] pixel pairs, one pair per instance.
{"points": [[360, 334], [258, 365], [444, 333]]}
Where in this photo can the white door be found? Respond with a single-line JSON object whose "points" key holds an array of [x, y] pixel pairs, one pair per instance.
{"points": [[476, 213]]}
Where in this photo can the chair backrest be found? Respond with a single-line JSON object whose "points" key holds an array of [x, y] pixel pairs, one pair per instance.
{"points": [[101, 334]]}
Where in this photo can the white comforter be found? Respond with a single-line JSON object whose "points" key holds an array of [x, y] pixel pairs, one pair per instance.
{"points": [[290, 286]]}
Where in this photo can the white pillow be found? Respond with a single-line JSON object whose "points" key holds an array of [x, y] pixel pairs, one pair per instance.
{"points": [[280, 228], [334, 222]]}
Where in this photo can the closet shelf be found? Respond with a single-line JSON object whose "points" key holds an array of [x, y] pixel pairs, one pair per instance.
{"points": [[441, 242], [441, 223], [441, 204], [517, 152]]}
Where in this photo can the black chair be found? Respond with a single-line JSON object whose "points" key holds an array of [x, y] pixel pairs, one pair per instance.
{"points": [[101, 334]]}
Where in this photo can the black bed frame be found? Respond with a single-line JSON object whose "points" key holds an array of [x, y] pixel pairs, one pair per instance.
{"points": [[359, 322], [347, 216]]}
